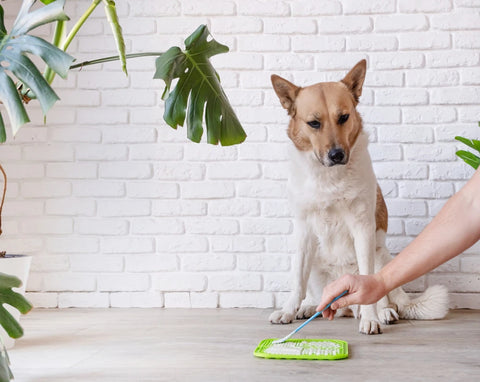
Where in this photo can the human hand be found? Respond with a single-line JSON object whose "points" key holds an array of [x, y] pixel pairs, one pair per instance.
{"points": [[362, 290]]}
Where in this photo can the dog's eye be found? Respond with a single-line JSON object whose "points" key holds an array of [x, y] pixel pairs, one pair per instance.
{"points": [[343, 118], [314, 124]]}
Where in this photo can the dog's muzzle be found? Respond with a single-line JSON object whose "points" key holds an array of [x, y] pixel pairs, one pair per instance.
{"points": [[337, 156]]}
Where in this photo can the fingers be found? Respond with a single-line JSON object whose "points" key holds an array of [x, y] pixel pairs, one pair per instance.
{"points": [[333, 290]]}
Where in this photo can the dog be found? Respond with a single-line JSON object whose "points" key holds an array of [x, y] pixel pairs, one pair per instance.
{"points": [[340, 214]]}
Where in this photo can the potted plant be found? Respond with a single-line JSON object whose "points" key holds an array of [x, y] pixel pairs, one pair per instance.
{"points": [[197, 99]]}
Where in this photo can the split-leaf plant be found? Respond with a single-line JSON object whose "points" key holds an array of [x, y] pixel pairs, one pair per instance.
{"points": [[197, 96]]}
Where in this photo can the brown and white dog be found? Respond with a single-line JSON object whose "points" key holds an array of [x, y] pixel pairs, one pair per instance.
{"points": [[340, 214]]}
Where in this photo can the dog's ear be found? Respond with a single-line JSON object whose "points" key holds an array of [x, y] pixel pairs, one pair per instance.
{"points": [[286, 92], [354, 79]]}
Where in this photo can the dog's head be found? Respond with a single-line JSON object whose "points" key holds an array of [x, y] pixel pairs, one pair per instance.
{"points": [[324, 119]]}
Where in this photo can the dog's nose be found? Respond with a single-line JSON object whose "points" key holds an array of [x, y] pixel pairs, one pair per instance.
{"points": [[336, 155]]}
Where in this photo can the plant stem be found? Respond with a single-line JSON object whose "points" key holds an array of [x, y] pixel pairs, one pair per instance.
{"points": [[63, 45], [79, 24], [114, 58], [60, 26]]}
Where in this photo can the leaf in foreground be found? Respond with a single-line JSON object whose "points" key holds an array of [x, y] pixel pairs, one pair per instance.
{"points": [[14, 60], [198, 95], [10, 297]]}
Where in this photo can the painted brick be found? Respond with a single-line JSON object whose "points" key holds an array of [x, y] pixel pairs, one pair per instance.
{"points": [[178, 171], [127, 245], [136, 300], [246, 300], [176, 208], [102, 226], [96, 263], [131, 282], [306, 43], [212, 226], [101, 152], [412, 6], [72, 245], [429, 114], [151, 263], [400, 170], [316, 8], [239, 207], [115, 208], [372, 43], [263, 8], [431, 77], [289, 26], [241, 170], [452, 59], [46, 189], [260, 263], [236, 25], [397, 96], [345, 24], [98, 189], [208, 262], [425, 189], [395, 23], [466, 40], [456, 21], [233, 282], [238, 244], [179, 282], [368, 6], [72, 207], [207, 190], [125, 170], [183, 243], [455, 96], [83, 300], [424, 40]]}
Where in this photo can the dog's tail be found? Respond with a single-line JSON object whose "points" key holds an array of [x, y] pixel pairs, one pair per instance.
{"points": [[430, 305]]}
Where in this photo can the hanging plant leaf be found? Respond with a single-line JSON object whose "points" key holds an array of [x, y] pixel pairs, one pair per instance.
{"points": [[13, 49], [112, 17], [198, 91]]}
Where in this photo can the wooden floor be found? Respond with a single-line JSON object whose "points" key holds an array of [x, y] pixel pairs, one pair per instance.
{"points": [[133, 345]]}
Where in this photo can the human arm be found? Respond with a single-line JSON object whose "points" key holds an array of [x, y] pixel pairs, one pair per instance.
{"points": [[453, 230]]}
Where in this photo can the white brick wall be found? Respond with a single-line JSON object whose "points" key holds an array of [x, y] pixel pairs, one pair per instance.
{"points": [[119, 210]]}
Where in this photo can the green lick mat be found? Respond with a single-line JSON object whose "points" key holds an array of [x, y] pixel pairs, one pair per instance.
{"points": [[302, 349]]}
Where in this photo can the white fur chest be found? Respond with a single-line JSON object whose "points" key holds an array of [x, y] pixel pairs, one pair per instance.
{"points": [[331, 199]]}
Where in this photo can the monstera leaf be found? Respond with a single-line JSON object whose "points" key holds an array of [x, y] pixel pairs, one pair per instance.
{"points": [[198, 85], [5, 372], [11, 326], [8, 296], [14, 47]]}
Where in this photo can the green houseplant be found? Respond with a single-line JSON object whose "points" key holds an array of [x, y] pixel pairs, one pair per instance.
{"points": [[467, 156], [193, 95]]}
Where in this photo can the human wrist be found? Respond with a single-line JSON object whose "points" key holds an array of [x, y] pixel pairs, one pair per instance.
{"points": [[382, 283]]}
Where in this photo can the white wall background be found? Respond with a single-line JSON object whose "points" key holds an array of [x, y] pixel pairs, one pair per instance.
{"points": [[120, 210]]}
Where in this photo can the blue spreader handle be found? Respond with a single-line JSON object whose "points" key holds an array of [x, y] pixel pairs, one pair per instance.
{"points": [[319, 313]]}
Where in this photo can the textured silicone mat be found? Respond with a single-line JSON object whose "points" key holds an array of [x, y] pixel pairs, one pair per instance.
{"points": [[311, 349]]}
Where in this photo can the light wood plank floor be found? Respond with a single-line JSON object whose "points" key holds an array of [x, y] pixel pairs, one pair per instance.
{"points": [[121, 345]]}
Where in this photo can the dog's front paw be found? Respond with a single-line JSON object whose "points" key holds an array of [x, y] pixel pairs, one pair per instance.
{"points": [[388, 315], [281, 317], [369, 327], [306, 311]]}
